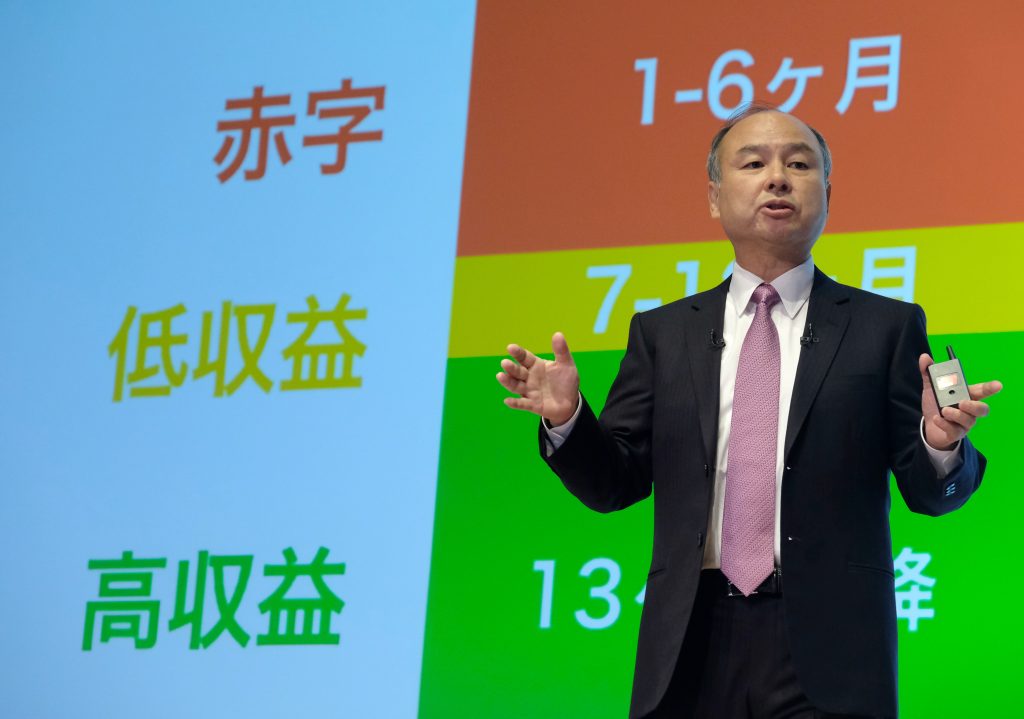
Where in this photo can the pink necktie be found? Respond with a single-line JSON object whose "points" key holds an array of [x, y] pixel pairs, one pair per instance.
{"points": [[748, 524]]}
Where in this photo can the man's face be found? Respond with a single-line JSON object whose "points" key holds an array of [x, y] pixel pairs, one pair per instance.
{"points": [[773, 195]]}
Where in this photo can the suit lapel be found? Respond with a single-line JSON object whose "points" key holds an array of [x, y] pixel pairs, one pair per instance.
{"points": [[707, 311], [829, 313]]}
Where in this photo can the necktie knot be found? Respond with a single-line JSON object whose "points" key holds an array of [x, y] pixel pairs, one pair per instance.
{"points": [[766, 295]]}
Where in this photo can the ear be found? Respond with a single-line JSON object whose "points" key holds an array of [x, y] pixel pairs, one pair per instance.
{"points": [[713, 188], [828, 195]]}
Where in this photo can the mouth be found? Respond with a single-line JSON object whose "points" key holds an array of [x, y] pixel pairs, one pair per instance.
{"points": [[778, 209]]}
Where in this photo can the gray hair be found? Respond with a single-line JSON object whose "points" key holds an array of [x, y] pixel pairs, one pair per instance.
{"points": [[745, 111]]}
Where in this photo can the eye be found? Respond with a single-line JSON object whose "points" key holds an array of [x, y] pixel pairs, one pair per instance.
{"points": [[754, 164], [799, 165]]}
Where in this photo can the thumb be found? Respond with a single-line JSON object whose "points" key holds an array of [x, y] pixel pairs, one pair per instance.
{"points": [[561, 349], [924, 362]]}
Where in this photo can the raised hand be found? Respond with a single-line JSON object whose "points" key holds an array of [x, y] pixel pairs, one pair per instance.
{"points": [[546, 388], [944, 429]]}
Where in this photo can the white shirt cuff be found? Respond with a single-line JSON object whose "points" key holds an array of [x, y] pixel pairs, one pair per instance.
{"points": [[558, 435], [945, 461]]}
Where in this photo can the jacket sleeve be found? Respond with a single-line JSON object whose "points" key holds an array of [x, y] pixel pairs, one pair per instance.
{"points": [[918, 482]]}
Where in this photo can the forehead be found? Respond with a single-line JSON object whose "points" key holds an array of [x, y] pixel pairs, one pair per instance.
{"points": [[772, 129]]}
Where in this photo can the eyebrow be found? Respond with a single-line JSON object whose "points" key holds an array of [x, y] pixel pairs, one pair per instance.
{"points": [[791, 147]]}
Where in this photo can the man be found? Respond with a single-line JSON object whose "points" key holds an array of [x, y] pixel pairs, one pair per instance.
{"points": [[766, 415]]}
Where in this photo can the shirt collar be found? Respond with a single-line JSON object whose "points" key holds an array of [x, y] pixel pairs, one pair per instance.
{"points": [[794, 287]]}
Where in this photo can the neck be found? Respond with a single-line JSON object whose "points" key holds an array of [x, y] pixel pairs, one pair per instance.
{"points": [[768, 267]]}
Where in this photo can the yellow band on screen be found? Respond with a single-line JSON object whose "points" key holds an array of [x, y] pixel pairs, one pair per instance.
{"points": [[953, 272]]}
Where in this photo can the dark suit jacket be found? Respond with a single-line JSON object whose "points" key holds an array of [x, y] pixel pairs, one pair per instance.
{"points": [[855, 415]]}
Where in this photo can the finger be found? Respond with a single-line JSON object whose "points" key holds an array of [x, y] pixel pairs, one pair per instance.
{"points": [[973, 408], [517, 353], [511, 383], [515, 370], [951, 432], [520, 403], [522, 355], [985, 389], [561, 349], [955, 416], [924, 362]]}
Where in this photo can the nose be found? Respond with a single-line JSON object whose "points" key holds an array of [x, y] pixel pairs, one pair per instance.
{"points": [[777, 180]]}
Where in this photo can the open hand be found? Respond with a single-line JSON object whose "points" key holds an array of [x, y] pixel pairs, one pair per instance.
{"points": [[545, 388]]}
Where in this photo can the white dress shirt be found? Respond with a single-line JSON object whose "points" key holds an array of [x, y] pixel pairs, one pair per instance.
{"points": [[789, 316]]}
